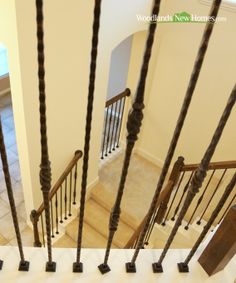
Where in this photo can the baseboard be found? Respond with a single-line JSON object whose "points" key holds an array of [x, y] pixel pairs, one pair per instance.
{"points": [[91, 186], [153, 159]]}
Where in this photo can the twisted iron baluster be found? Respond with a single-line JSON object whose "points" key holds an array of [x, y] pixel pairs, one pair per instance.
{"points": [[78, 266], [45, 167], [183, 266], [24, 265], [198, 177], [180, 123], [133, 127]]}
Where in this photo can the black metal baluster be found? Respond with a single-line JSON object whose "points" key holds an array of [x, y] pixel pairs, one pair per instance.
{"points": [[78, 266], [199, 200], [117, 124], [45, 168], [61, 219], [210, 200], [121, 120], [52, 220], [183, 266], [180, 122], [24, 265], [133, 127], [57, 220], [182, 196], [65, 199], [75, 185], [113, 129], [173, 199], [229, 205], [70, 196], [109, 130], [198, 178], [43, 234], [104, 134]]}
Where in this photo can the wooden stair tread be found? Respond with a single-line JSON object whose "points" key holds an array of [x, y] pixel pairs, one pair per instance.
{"points": [[106, 199], [91, 238], [98, 218], [65, 242]]}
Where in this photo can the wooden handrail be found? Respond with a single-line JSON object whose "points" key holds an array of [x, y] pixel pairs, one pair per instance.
{"points": [[212, 166], [125, 93], [77, 156]]}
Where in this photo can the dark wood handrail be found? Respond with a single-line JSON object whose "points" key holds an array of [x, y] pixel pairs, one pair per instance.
{"points": [[77, 156], [125, 93], [212, 166]]}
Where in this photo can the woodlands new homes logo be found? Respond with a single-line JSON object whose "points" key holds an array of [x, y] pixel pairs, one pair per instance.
{"points": [[182, 17]]}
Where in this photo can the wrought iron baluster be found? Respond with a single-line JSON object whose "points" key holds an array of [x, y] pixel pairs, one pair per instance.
{"points": [[65, 199], [61, 219], [210, 200], [104, 133], [229, 205], [133, 127], [57, 220], [180, 123], [78, 266], [45, 168], [109, 129], [199, 177], [52, 220], [113, 129], [121, 119], [42, 226], [70, 195], [200, 200], [24, 265], [183, 266], [172, 201], [117, 123], [75, 184], [182, 196]]}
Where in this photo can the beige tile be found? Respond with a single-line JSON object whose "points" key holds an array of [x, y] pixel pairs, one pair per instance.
{"points": [[13, 148], [17, 192], [6, 111], [15, 171], [7, 228], [10, 138], [11, 158], [3, 241], [21, 210], [4, 208], [27, 238]]}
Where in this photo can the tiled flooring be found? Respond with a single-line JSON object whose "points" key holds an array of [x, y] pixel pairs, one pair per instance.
{"points": [[7, 233]]}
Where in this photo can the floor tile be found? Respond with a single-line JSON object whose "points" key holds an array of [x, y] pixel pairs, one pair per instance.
{"points": [[3, 241], [17, 192], [27, 237], [4, 208]]}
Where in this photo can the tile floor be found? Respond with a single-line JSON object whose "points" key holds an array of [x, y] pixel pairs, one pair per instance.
{"points": [[7, 234]]}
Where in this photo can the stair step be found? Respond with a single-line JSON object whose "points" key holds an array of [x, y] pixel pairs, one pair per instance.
{"points": [[91, 238], [98, 218], [65, 242], [106, 199]]}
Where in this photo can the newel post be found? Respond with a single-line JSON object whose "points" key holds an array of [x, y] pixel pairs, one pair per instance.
{"points": [[34, 219]]}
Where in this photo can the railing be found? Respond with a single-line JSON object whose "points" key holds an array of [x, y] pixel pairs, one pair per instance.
{"points": [[114, 112], [62, 197]]}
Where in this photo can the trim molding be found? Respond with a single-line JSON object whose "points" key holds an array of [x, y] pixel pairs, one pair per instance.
{"points": [[146, 155]]}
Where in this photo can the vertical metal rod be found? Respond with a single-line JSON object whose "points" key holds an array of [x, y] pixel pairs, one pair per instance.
{"points": [[113, 129], [133, 127], [78, 266], [173, 199], [121, 120], [45, 168], [57, 220], [104, 133], [229, 205], [199, 176], [52, 220], [75, 184], [24, 265], [65, 199], [42, 225], [200, 200], [210, 200], [214, 215], [61, 220], [180, 122], [70, 196], [109, 129], [117, 124], [182, 196]]}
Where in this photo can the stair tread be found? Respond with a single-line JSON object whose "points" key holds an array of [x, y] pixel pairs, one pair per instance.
{"points": [[106, 199], [65, 242], [91, 238], [98, 218]]}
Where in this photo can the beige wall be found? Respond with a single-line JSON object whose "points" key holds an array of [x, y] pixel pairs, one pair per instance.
{"points": [[68, 29], [175, 49]]}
